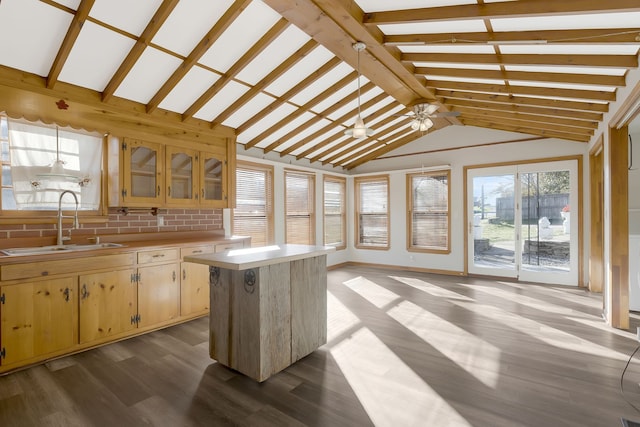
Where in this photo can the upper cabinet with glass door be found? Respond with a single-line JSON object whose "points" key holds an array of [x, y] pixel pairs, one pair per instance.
{"points": [[182, 179], [142, 178], [213, 178]]}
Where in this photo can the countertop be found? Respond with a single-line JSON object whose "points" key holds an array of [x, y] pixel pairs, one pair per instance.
{"points": [[247, 258]]}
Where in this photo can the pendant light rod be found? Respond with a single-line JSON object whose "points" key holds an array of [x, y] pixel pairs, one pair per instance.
{"points": [[359, 130], [359, 47]]}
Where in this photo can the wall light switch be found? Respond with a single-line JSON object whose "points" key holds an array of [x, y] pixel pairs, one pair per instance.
{"points": [[160, 220]]}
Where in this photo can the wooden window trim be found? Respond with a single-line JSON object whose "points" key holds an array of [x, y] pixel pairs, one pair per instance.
{"points": [[409, 209], [343, 215], [261, 167], [356, 184]]}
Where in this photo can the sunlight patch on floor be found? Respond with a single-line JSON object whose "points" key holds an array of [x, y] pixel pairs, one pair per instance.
{"points": [[477, 357], [389, 391], [575, 296], [339, 318], [434, 290], [602, 325], [540, 331], [376, 295]]}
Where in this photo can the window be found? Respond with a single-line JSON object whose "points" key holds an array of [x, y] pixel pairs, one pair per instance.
{"points": [[335, 211], [372, 212], [39, 162], [428, 217], [253, 214], [299, 207]]}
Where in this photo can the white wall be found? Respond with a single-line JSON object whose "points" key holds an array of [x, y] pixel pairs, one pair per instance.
{"points": [[450, 137]]}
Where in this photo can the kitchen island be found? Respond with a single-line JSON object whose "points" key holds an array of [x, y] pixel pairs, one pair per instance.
{"points": [[268, 306]]}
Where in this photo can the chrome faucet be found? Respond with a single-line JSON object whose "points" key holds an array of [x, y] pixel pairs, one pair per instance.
{"points": [[76, 223]]}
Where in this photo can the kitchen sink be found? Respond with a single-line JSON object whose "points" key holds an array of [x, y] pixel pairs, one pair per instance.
{"points": [[41, 250]]}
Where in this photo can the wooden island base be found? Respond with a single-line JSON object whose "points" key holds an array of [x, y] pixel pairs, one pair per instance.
{"points": [[268, 306]]}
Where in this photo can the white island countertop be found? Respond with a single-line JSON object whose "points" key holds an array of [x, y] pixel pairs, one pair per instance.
{"points": [[246, 258]]}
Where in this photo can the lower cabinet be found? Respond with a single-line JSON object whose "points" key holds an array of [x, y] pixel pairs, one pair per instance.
{"points": [[38, 318], [108, 304], [194, 283], [158, 294]]}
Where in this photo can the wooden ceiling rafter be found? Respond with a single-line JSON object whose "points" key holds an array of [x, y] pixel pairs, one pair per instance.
{"points": [[517, 9], [142, 42], [307, 106], [78, 20], [285, 97], [259, 87], [607, 36], [383, 149], [197, 52], [606, 61], [537, 110], [274, 32], [468, 112], [523, 129]]}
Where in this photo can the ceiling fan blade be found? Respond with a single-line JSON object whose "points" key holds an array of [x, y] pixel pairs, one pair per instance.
{"points": [[430, 109], [446, 114]]}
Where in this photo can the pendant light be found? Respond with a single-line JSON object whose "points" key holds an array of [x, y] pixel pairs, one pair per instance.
{"points": [[359, 130], [57, 173]]}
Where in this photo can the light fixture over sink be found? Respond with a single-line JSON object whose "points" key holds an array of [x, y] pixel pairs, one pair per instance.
{"points": [[359, 130]]}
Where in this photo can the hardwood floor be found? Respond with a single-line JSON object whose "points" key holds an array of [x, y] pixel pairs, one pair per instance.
{"points": [[405, 349]]}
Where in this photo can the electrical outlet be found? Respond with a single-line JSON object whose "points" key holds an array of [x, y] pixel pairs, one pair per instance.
{"points": [[160, 220]]}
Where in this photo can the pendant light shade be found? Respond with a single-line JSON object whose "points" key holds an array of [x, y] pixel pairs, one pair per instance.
{"points": [[359, 130]]}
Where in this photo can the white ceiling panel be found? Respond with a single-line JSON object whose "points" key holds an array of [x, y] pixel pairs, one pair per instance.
{"points": [[148, 75], [460, 65], [568, 49], [321, 85], [225, 97], [134, 21], [278, 114], [276, 53], [245, 31], [569, 70], [72, 4], [435, 76], [334, 98], [248, 110], [330, 145], [32, 33], [189, 89], [383, 5], [463, 26], [317, 141], [188, 24], [366, 96], [316, 59], [95, 57], [308, 130], [346, 153], [274, 136], [562, 85], [568, 22]]}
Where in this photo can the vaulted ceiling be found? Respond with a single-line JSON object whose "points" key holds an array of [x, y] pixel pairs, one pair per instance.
{"points": [[283, 73]]}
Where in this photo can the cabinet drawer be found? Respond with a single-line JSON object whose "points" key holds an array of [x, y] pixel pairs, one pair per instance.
{"points": [[159, 255], [62, 266], [197, 250], [226, 246]]}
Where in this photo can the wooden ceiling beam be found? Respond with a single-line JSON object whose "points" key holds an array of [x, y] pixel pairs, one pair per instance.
{"points": [[337, 24], [536, 110], [611, 35], [279, 101], [594, 95], [528, 76], [70, 38], [196, 53], [524, 100], [540, 125], [251, 54], [492, 124], [391, 133], [161, 15], [496, 114], [520, 8], [607, 61], [306, 108], [266, 81]]}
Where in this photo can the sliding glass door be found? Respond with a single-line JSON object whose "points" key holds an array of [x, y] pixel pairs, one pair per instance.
{"points": [[520, 224]]}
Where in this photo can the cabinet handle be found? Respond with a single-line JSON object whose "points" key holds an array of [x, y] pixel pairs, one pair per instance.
{"points": [[196, 252], [184, 274], [203, 193], [169, 191], [158, 191], [173, 276], [66, 293], [157, 256], [84, 293]]}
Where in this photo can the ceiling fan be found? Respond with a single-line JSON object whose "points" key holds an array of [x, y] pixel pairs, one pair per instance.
{"points": [[424, 112]]}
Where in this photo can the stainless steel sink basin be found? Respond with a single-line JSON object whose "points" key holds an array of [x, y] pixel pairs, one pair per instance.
{"points": [[41, 250]]}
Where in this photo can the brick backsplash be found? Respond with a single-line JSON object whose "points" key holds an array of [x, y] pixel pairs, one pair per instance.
{"points": [[139, 221]]}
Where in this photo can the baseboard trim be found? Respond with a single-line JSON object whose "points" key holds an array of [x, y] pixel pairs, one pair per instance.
{"points": [[397, 267]]}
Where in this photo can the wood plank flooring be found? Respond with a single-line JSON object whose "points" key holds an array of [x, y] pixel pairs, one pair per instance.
{"points": [[405, 349]]}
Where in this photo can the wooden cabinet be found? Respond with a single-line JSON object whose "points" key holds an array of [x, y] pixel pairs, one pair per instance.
{"points": [[158, 287], [108, 304], [150, 174], [143, 180], [38, 318], [194, 283]]}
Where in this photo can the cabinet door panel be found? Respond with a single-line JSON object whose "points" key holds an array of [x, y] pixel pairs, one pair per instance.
{"points": [[194, 288], [143, 180], [158, 294], [213, 181], [39, 318], [181, 166], [108, 303]]}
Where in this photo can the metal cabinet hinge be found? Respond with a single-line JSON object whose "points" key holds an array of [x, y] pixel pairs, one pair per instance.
{"points": [[3, 353], [135, 277], [124, 192], [135, 319], [124, 146], [2, 299]]}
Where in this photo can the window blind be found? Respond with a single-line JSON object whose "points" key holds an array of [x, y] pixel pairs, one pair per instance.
{"points": [[429, 211], [253, 215], [335, 211], [373, 212], [299, 207]]}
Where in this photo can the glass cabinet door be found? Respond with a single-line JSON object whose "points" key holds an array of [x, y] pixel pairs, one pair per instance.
{"points": [[181, 166], [142, 173], [213, 190]]}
